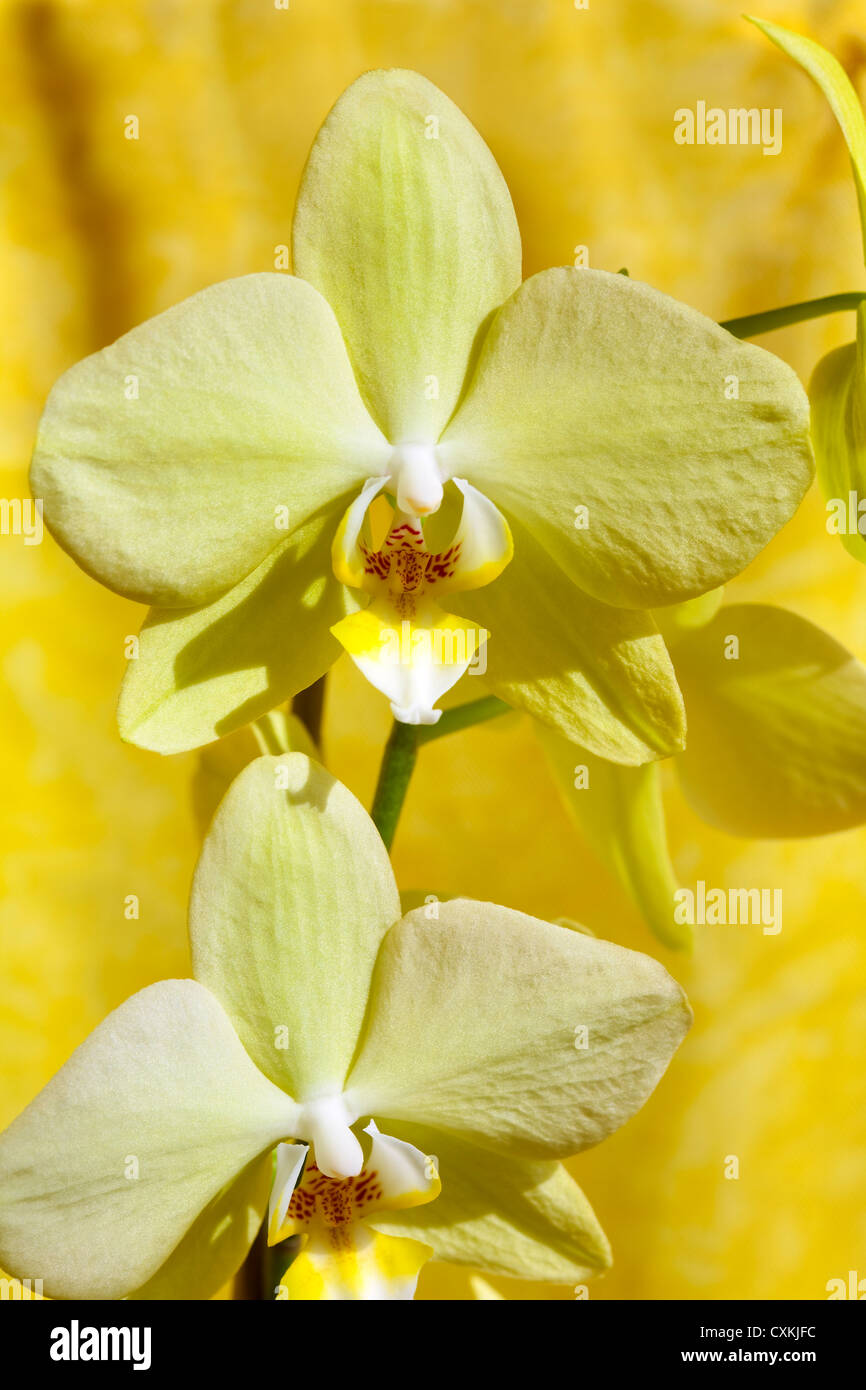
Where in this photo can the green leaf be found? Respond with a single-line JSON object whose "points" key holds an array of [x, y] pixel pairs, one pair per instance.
{"points": [[473, 1029], [291, 897], [595, 391], [406, 226], [520, 1217], [777, 735], [204, 672], [164, 460], [601, 676], [620, 812], [107, 1170]]}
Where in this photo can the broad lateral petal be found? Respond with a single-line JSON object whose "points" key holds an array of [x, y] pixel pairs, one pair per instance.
{"points": [[777, 725], [167, 461], [106, 1171], [477, 1022], [520, 1217], [291, 898], [405, 224], [687, 448], [600, 676]]}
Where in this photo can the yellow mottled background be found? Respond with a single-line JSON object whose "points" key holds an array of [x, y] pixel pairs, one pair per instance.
{"points": [[99, 232]]}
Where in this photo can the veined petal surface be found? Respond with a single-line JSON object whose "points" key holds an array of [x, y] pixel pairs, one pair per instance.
{"points": [[406, 226], [478, 1022], [105, 1172], [169, 462], [202, 673], [291, 897], [687, 448]]}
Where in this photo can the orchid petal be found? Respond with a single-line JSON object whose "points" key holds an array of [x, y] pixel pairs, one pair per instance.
{"points": [[354, 1263], [168, 462], [620, 812], [412, 661], [686, 448], [828, 74], [477, 1023], [837, 392], [218, 1241], [108, 1169]]}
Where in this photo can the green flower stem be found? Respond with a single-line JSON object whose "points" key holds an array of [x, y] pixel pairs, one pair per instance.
{"points": [[395, 773], [462, 717], [750, 325], [401, 750]]}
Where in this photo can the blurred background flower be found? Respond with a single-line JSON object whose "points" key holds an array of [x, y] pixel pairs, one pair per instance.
{"points": [[99, 839]]}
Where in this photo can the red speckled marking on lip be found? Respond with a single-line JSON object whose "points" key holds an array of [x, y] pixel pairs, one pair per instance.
{"points": [[336, 1201], [403, 556]]}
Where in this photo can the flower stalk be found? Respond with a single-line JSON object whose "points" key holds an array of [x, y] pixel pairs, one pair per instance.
{"points": [[401, 751], [752, 325]]}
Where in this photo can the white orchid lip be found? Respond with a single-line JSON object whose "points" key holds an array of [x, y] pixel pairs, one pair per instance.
{"points": [[418, 478], [404, 642]]}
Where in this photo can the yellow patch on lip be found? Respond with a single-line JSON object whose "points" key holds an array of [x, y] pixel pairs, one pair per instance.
{"points": [[374, 636], [374, 1267]]}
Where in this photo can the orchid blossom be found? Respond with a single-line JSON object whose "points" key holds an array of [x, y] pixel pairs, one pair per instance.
{"points": [[217, 462], [488, 1045]]}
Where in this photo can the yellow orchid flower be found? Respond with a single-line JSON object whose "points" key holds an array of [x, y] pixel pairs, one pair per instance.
{"points": [[143, 1169], [636, 452]]}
